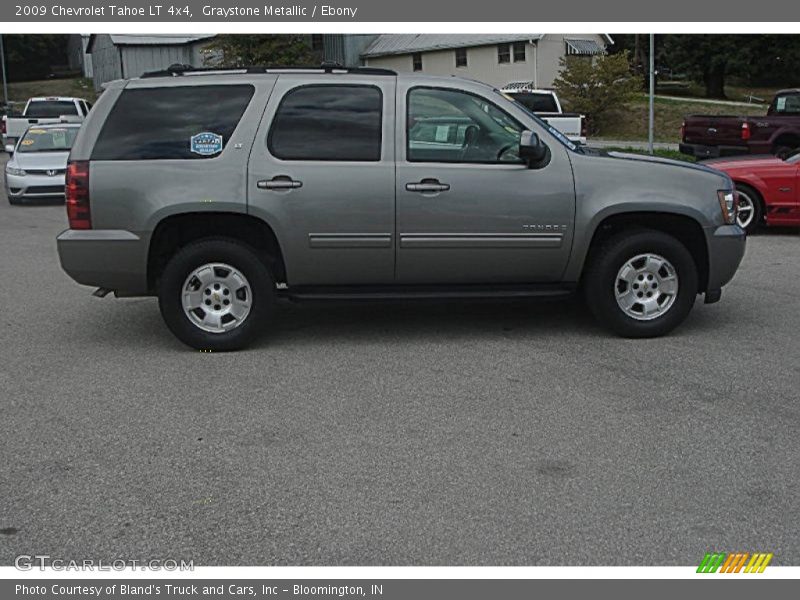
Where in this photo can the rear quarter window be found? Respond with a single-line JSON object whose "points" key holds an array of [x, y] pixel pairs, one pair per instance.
{"points": [[185, 122]]}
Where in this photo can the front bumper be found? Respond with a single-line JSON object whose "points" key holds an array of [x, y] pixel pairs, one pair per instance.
{"points": [[726, 246], [107, 258], [35, 186]]}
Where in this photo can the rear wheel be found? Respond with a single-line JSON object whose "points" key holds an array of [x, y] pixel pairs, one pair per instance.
{"points": [[750, 211], [216, 294], [641, 284]]}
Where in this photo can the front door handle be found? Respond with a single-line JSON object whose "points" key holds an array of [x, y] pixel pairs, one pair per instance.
{"points": [[428, 186], [279, 182]]}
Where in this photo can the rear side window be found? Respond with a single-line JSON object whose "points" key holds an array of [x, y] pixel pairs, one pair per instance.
{"points": [[328, 122], [187, 122], [48, 109]]}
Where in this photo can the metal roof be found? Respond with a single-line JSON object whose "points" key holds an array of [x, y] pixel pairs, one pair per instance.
{"points": [[389, 44], [156, 40], [584, 47], [125, 39]]}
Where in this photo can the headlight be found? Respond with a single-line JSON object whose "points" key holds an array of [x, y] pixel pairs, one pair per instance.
{"points": [[729, 203], [14, 171]]}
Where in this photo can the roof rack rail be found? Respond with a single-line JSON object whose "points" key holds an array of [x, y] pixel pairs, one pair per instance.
{"points": [[178, 70]]}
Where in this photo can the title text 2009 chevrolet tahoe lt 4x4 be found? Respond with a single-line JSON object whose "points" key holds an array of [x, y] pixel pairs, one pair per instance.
{"points": [[222, 191]]}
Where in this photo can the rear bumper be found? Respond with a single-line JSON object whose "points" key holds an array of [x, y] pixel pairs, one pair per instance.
{"points": [[702, 151], [107, 258], [726, 246]]}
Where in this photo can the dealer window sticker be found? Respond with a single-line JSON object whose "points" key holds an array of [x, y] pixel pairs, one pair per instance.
{"points": [[206, 143]]}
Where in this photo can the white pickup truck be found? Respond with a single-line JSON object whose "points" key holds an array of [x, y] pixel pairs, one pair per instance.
{"points": [[545, 105], [42, 110]]}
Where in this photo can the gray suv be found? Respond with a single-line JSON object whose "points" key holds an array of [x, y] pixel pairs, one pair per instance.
{"points": [[223, 191]]}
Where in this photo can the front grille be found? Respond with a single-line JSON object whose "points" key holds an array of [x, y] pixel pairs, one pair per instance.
{"points": [[49, 172], [46, 189]]}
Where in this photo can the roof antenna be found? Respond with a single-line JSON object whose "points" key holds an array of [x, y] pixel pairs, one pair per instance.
{"points": [[329, 65]]}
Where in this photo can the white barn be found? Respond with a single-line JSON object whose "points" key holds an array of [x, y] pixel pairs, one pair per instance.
{"points": [[118, 56]]}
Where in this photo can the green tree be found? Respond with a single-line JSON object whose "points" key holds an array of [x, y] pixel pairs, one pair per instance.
{"points": [[596, 88], [260, 50], [710, 59], [30, 57]]}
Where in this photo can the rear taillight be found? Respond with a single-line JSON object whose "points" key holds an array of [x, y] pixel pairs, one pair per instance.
{"points": [[3, 129], [745, 131], [584, 129], [683, 131], [77, 193]]}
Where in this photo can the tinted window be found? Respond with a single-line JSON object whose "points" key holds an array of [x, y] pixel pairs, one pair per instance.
{"points": [[47, 109], [452, 126], [328, 122], [536, 102], [172, 122]]}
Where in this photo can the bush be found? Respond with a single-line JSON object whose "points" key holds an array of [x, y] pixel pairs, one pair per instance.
{"points": [[596, 87]]}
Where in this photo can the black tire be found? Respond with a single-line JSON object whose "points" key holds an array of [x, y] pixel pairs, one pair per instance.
{"points": [[600, 282], [758, 206], [12, 201], [216, 250]]}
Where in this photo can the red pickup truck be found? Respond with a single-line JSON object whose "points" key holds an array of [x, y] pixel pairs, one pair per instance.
{"points": [[776, 133]]}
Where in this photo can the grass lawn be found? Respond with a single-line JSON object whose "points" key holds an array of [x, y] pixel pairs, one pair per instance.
{"points": [[82, 88], [631, 123]]}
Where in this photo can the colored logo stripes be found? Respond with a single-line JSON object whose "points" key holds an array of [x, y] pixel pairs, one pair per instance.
{"points": [[734, 562]]}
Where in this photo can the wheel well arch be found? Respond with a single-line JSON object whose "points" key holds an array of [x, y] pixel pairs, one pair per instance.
{"points": [[687, 230], [790, 139], [759, 197], [176, 231]]}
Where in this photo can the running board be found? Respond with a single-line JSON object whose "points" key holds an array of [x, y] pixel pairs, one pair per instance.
{"points": [[418, 292]]}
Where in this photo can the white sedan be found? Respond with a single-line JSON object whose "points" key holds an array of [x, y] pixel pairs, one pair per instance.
{"points": [[38, 163]]}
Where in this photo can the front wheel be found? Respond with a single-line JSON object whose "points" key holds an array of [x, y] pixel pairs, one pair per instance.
{"points": [[216, 295], [641, 284], [749, 214]]}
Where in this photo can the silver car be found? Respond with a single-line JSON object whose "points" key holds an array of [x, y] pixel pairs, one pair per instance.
{"points": [[38, 162], [221, 192]]}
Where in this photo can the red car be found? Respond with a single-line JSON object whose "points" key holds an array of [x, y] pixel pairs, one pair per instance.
{"points": [[769, 189]]}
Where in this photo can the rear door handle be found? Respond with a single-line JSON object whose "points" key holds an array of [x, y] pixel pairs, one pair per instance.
{"points": [[427, 186], [279, 182]]}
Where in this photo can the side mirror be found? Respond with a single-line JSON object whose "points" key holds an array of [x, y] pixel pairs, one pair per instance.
{"points": [[10, 148], [532, 150]]}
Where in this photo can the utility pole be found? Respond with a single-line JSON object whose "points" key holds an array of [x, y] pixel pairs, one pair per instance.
{"points": [[3, 61], [651, 119]]}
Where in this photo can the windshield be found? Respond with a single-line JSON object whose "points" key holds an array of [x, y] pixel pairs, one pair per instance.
{"points": [[55, 139], [550, 129], [46, 109]]}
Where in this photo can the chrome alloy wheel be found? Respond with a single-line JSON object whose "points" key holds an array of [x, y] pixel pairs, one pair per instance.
{"points": [[747, 210], [646, 287], [216, 297]]}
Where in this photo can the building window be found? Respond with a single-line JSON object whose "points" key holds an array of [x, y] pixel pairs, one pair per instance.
{"points": [[416, 61], [503, 53], [461, 57], [519, 52]]}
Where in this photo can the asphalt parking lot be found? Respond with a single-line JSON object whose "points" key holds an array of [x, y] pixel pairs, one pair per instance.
{"points": [[467, 433]]}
